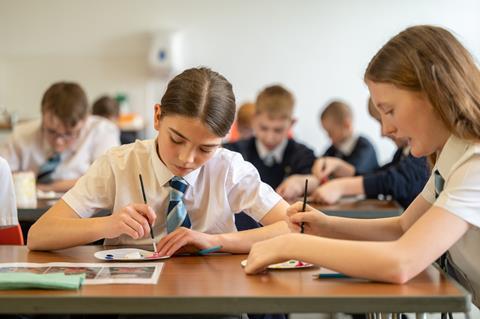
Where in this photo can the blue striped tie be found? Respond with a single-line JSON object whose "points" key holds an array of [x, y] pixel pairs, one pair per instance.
{"points": [[177, 213], [45, 171], [439, 183]]}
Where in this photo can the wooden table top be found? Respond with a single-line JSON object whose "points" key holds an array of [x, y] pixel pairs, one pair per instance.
{"points": [[218, 284]]}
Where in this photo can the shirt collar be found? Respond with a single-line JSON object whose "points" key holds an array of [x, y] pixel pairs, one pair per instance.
{"points": [[162, 173], [347, 146], [277, 152], [450, 154]]}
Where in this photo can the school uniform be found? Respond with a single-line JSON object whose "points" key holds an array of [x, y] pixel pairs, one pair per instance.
{"points": [[8, 208], [223, 186], [357, 151], [458, 171], [403, 178], [288, 158], [27, 148]]}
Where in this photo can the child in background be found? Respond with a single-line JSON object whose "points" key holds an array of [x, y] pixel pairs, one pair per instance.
{"points": [[242, 127], [193, 187], [61, 145], [418, 83], [107, 107], [8, 209], [282, 162], [337, 121], [402, 179]]}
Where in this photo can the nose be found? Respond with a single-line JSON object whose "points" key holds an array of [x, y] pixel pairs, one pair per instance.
{"points": [[388, 129], [187, 155]]}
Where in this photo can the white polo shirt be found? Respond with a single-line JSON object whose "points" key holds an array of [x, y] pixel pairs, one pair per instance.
{"points": [[8, 207], [459, 165], [27, 148], [223, 186]]}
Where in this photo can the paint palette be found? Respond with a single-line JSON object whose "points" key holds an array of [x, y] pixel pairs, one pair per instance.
{"points": [[128, 254], [289, 264]]}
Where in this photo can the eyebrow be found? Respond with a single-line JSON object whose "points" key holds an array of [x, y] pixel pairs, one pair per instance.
{"points": [[185, 138]]}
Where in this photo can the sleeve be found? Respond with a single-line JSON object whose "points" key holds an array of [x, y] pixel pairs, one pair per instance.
{"points": [[10, 152], [363, 157], [403, 180], [8, 209], [462, 192], [109, 135], [330, 151], [304, 159], [93, 191], [246, 192]]}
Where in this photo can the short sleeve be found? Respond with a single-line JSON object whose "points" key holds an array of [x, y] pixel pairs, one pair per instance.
{"points": [[428, 192], [461, 194], [246, 192], [8, 208], [93, 191], [110, 137]]}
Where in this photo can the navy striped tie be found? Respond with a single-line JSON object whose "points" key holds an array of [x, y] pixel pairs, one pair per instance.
{"points": [[177, 213], [439, 183], [45, 171]]}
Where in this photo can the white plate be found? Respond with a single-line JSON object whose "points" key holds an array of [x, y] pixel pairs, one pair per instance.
{"points": [[289, 264], [127, 254]]}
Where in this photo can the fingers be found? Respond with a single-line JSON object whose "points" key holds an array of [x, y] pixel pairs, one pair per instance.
{"points": [[174, 241], [146, 211]]}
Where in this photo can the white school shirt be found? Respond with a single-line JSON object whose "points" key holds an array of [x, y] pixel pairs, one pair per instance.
{"points": [[8, 207], [224, 185], [27, 148], [459, 164], [276, 153]]}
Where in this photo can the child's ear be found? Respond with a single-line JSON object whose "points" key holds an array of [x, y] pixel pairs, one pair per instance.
{"points": [[293, 121], [156, 116]]}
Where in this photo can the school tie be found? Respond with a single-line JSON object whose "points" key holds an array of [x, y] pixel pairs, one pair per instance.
{"points": [[269, 160], [45, 171], [439, 183], [177, 213]]}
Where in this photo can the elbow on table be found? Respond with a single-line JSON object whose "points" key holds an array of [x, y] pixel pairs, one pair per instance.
{"points": [[400, 270]]}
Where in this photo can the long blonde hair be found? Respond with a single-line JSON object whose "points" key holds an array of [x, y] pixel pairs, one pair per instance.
{"points": [[431, 60]]}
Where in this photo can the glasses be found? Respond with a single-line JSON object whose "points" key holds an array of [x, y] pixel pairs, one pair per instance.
{"points": [[69, 136]]}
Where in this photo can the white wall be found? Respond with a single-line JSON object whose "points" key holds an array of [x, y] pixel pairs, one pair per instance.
{"points": [[318, 49]]}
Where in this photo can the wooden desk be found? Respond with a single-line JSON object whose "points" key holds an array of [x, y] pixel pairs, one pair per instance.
{"points": [[365, 208], [217, 284]]}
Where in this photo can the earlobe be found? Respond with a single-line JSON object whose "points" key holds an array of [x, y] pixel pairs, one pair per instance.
{"points": [[156, 116]]}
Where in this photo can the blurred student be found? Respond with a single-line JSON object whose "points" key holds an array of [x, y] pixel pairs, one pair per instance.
{"points": [[418, 83], [106, 106], [61, 145], [337, 121], [242, 127], [282, 162], [193, 187], [403, 178], [8, 208]]}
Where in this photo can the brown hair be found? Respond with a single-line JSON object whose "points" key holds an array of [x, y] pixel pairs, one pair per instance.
{"points": [[67, 101], [338, 111], [432, 61], [204, 94], [106, 106], [245, 113], [276, 101]]}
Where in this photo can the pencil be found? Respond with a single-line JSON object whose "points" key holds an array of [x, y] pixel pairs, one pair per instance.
{"points": [[145, 201], [304, 203]]}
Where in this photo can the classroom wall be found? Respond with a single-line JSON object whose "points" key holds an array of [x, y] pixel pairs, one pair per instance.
{"points": [[318, 49]]}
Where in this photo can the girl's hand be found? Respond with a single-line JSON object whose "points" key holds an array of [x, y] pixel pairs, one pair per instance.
{"points": [[267, 252], [313, 220], [133, 220], [185, 240], [329, 193], [324, 167], [292, 187]]}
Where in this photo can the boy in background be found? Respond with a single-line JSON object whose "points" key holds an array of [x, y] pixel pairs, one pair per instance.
{"points": [[337, 121], [61, 145], [107, 107], [282, 162], [403, 178]]}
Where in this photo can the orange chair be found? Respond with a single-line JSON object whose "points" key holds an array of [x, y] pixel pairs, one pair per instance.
{"points": [[11, 236]]}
